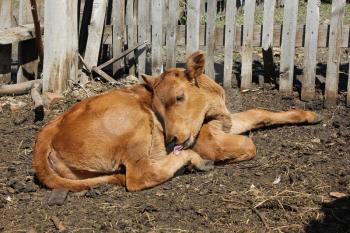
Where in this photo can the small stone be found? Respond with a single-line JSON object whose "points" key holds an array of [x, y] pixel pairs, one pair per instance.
{"points": [[58, 196], [29, 188]]}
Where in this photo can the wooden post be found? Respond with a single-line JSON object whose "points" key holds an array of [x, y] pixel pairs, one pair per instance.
{"points": [[5, 50], [192, 26], [27, 50], [288, 47], [156, 18], [335, 35], [144, 30], [132, 33], [171, 34], [267, 38], [247, 47], [311, 38], [118, 22], [95, 32], [230, 35], [84, 28], [210, 39], [61, 46]]}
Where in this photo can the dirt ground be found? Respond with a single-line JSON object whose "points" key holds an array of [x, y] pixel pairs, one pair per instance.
{"points": [[286, 188]]}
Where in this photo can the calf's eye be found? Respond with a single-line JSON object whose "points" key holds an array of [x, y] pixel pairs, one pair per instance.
{"points": [[180, 97]]}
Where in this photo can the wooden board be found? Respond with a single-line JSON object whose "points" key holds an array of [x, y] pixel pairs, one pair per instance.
{"points": [[171, 34], [332, 74], [27, 50], [192, 26], [311, 37], [230, 30], [118, 31], [247, 47], [5, 49], [156, 19], [210, 39], [288, 47], [131, 28], [144, 30], [61, 46]]}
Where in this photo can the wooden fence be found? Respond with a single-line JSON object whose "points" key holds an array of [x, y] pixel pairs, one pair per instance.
{"points": [[124, 24]]}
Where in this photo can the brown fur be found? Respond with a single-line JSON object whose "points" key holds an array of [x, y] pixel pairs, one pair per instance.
{"points": [[129, 128]]}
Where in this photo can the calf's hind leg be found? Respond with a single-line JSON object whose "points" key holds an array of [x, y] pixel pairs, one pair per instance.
{"points": [[149, 173], [255, 118], [213, 144]]}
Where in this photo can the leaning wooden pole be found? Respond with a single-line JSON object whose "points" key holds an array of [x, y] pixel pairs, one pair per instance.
{"points": [[61, 45], [38, 40]]}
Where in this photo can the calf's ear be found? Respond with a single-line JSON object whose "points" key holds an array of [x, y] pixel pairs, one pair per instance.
{"points": [[149, 80], [195, 65]]}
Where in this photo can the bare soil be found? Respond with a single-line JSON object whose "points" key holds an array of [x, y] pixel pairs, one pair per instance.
{"points": [[286, 188]]}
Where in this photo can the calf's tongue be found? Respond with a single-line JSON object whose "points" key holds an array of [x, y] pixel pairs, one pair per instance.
{"points": [[178, 149]]}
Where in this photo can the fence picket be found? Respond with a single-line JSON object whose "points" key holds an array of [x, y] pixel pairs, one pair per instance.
{"points": [[131, 33], [210, 40], [118, 22], [267, 38], [156, 18], [332, 74], [192, 26], [61, 59], [144, 28], [5, 50], [247, 48], [311, 38], [230, 29], [288, 47], [171, 34]]}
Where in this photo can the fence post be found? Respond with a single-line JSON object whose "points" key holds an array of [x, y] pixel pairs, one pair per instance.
{"points": [[27, 50], [61, 46], [171, 34], [118, 20], [311, 38], [267, 38], [247, 49], [192, 26], [335, 36], [157, 28], [144, 28], [210, 39], [288, 47], [230, 35], [131, 32], [5, 50]]}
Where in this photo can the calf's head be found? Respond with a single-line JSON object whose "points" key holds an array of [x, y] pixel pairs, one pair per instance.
{"points": [[179, 102]]}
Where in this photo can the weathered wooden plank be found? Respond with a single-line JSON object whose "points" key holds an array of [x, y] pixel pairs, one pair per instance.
{"points": [[95, 32], [156, 19], [5, 50], [144, 28], [27, 50], [131, 33], [171, 34], [247, 47], [118, 31], [210, 39], [311, 38], [288, 47], [61, 46], [332, 74], [267, 38], [192, 26], [230, 29]]}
